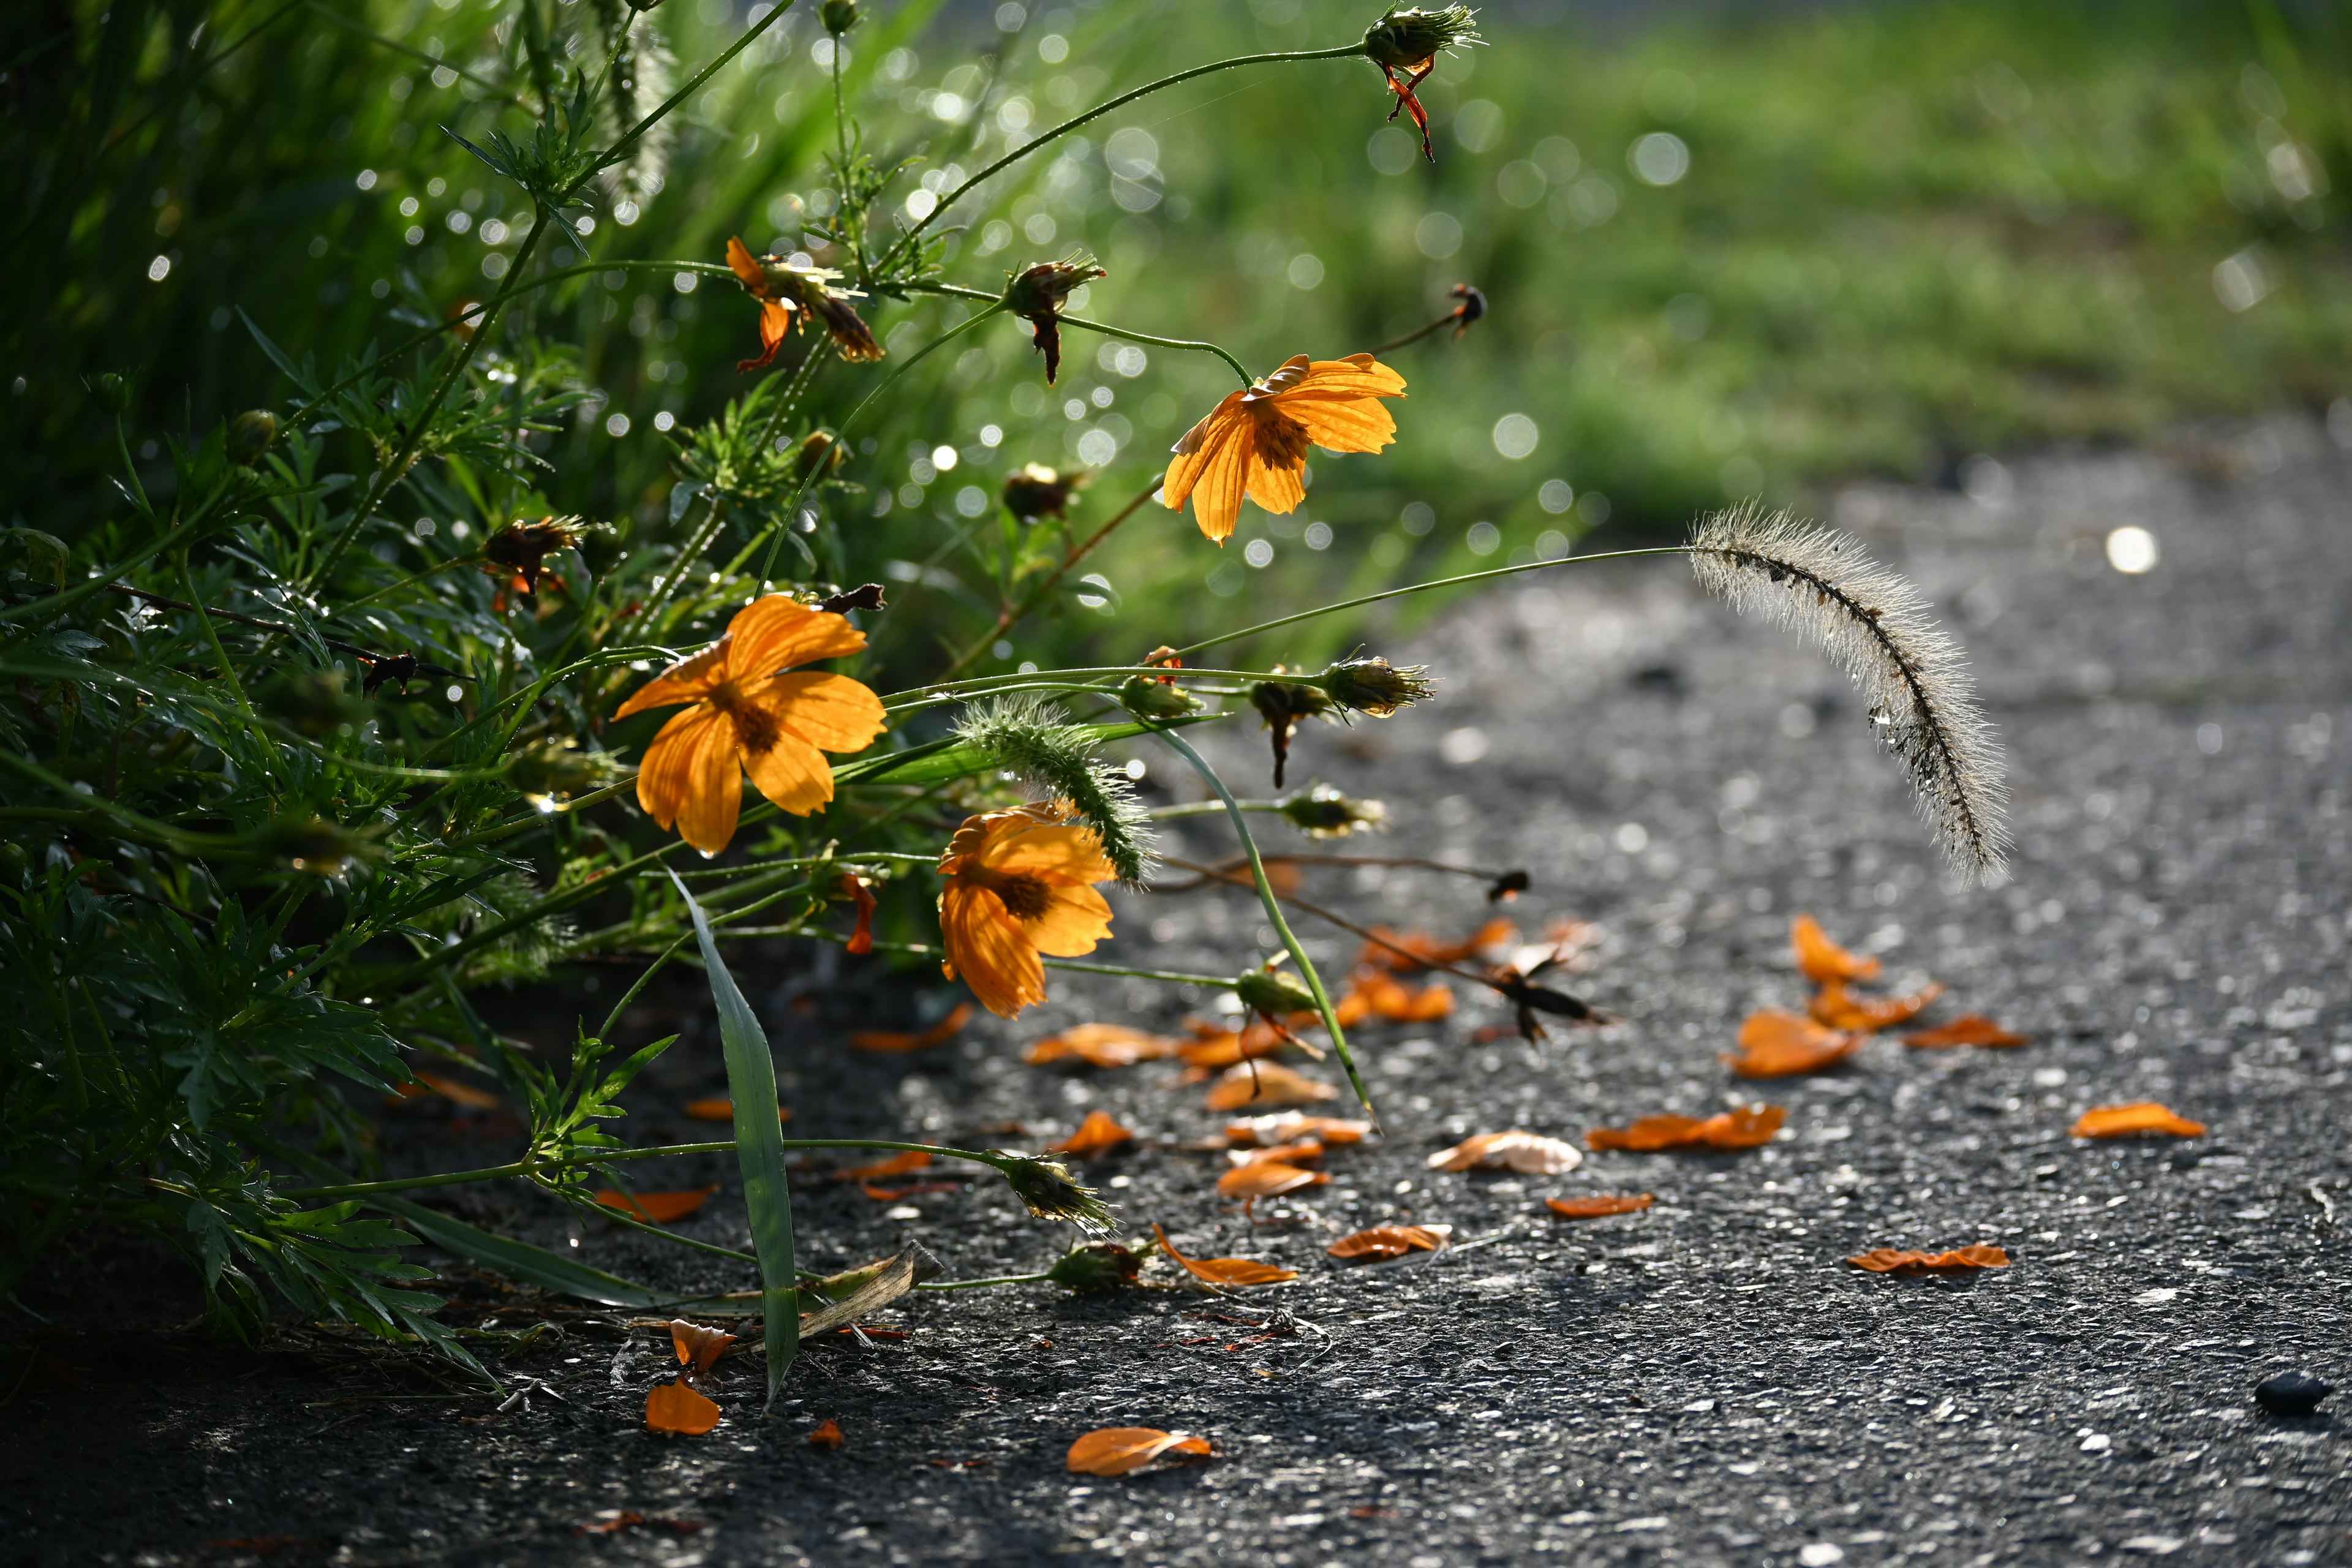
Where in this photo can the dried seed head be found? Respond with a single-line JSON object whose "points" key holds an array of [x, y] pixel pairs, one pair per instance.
{"points": [[1408, 38], [520, 549], [1376, 687], [1912, 675], [1050, 1191], [1147, 697], [1095, 1266], [1325, 813]]}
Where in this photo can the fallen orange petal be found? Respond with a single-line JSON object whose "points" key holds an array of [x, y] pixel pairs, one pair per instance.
{"points": [[1099, 1134], [1887, 1260], [674, 1407], [1266, 1179], [1822, 960], [1422, 950], [1289, 1126], [697, 1347], [939, 1034], [1774, 1044], [1745, 1128], [2142, 1116], [1837, 1007], [1515, 1150], [1212, 1046], [1117, 1450], [1102, 1046], [1967, 1029], [1383, 1242], [724, 1111], [1600, 1205], [1223, 1271], [658, 1207], [826, 1436], [1265, 1083], [895, 1165]]}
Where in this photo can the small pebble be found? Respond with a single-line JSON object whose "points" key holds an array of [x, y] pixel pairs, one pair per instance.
{"points": [[2292, 1394]]}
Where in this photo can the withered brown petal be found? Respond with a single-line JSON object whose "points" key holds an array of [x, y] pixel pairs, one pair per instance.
{"points": [[1386, 1241], [1888, 1260], [1600, 1205], [1223, 1271], [674, 1407], [1967, 1029]]}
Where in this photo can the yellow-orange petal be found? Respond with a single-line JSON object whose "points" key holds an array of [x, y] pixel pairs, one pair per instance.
{"points": [[986, 947], [776, 632], [696, 781], [1357, 375], [1212, 469], [1073, 921], [667, 773], [1353, 425], [747, 267], [1069, 852], [832, 712], [687, 681], [791, 773], [1277, 490]]}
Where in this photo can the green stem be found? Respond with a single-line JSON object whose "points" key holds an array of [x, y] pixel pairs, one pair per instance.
{"points": [[984, 1284], [1273, 906], [211, 637], [1221, 982], [956, 290], [1012, 617], [620, 150], [605, 1156], [1224, 637]]}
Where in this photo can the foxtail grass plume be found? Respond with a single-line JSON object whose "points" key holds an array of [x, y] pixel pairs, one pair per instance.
{"points": [[1818, 582], [1036, 741]]}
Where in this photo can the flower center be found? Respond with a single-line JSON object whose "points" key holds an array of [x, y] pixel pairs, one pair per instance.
{"points": [[1282, 441], [756, 729], [1023, 896]]}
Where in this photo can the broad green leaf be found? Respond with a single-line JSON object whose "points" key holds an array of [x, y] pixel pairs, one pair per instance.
{"points": [[759, 1150]]}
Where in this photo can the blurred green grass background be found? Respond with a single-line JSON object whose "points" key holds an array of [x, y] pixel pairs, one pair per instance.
{"points": [[1729, 252]]}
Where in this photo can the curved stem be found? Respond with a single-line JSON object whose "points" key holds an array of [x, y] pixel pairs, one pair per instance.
{"points": [[1134, 337], [1273, 906], [1225, 638], [984, 1284], [1418, 333], [606, 1156], [1007, 619], [1063, 129]]}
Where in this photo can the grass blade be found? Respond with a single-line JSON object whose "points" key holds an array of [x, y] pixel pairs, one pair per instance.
{"points": [[759, 1149], [521, 1260]]}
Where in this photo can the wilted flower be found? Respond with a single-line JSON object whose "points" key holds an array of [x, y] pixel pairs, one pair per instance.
{"points": [[1283, 704], [1020, 883], [1472, 308], [1254, 442], [784, 288], [864, 596], [251, 434], [1507, 886], [1528, 999], [1050, 1191], [1036, 491], [1325, 812], [745, 715], [858, 891], [1408, 40], [1376, 687], [520, 549], [1149, 697], [1036, 296], [313, 701], [1095, 1266]]}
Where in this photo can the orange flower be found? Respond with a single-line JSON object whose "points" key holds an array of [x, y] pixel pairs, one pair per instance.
{"points": [[1019, 883], [1255, 442], [784, 288], [747, 716]]}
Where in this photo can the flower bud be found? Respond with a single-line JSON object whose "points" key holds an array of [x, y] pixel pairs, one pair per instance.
{"points": [[1325, 812], [555, 770], [1095, 1266], [114, 393], [1410, 36], [839, 16], [1285, 702], [1148, 697], [1376, 687], [1273, 993], [1050, 1191], [520, 549], [251, 434], [819, 455], [1037, 491]]}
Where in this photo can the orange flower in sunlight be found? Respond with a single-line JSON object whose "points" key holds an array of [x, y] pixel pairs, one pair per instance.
{"points": [[1255, 442], [1020, 883], [746, 716], [784, 290]]}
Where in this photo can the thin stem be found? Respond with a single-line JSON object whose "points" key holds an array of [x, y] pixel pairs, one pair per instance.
{"points": [[1063, 129], [1224, 637], [1006, 620], [1273, 906], [620, 150], [1221, 982], [957, 291], [228, 671], [605, 1156], [1418, 333], [984, 1284]]}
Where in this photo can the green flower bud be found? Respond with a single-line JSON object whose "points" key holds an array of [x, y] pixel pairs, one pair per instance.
{"points": [[1325, 813], [251, 434], [1376, 687], [1095, 1267], [1273, 993], [1148, 697], [1408, 38], [114, 393], [839, 16]]}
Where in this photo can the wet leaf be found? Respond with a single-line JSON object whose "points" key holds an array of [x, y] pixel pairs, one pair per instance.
{"points": [[1290, 1126], [1601, 1205], [939, 1034], [1223, 1271], [1383, 1242], [1265, 1083], [1098, 1134], [1822, 960], [697, 1346], [658, 1208], [1748, 1127], [1266, 1179], [828, 1435], [1103, 1046], [895, 1165], [1967, 1029], [1840, 1009], [1774, 1044], [1887, 1260], [2126, 1121], [1427, 952], [1528, 1153], [724, 1111], [1119, 1450], [674, 1407]]}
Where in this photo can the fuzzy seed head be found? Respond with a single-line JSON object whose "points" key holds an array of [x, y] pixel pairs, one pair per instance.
{"points": [[1037, 742], [1911, 672], [1050, 1191], [1376, 687], [1410, 36]]}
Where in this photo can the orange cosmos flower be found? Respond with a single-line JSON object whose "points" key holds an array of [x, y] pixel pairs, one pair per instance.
{"points": [[782, 288], [1255, 442], [746, 715], [1019, 883]]}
